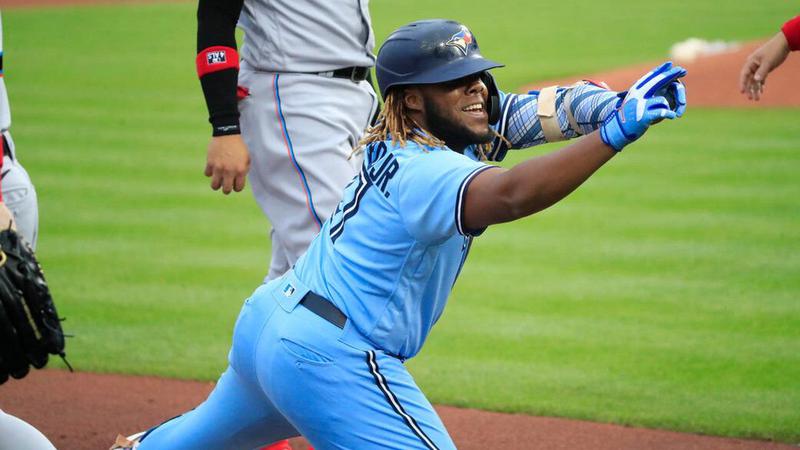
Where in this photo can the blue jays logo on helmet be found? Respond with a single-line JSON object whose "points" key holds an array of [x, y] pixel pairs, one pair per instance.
{"points": [[461, 40]]}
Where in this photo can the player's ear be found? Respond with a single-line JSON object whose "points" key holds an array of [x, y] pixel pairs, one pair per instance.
{"points": [[412, 99]]}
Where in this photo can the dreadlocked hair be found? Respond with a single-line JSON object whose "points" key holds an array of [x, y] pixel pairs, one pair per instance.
{"points": [[394, 123]]}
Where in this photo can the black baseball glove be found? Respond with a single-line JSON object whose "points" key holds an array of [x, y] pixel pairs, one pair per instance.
{"points": [[30, 329]]}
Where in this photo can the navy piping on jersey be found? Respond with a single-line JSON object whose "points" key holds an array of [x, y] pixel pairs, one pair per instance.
{"points": [[351, 208], [461, 202], [392, 399]]}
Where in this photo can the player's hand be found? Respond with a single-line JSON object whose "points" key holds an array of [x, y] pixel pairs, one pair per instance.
{"points": [[6, 218], [760, 63], [642, 106], [227, 163], [675, 93]]}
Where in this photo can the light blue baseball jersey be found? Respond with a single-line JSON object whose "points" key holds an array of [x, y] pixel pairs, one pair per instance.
{"points": [[388, 258], [390, 253]]}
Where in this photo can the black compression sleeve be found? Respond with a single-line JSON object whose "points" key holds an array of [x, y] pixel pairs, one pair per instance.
{"points": [[216, 26]]}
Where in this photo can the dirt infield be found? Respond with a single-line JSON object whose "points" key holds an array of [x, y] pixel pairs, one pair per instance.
{"points": [[712, 81], [85, 411]]}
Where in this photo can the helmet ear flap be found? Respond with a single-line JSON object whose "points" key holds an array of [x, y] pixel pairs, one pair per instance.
{"points": [[493, 104]]}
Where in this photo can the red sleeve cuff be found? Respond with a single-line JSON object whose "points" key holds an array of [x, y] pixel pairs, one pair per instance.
{"points": [[214, 59], [791, 30]]}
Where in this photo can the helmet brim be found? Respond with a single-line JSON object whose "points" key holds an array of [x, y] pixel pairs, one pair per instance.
{"points": [[454, 70]]}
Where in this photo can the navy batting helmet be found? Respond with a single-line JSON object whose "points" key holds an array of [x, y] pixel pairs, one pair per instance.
{"points": [[429, 52]]}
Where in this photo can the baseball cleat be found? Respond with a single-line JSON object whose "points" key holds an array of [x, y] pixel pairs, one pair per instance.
{"points": [[127, 443]]}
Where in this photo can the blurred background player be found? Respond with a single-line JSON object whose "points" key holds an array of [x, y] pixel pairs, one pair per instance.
{"points": [[18, 192], [18, 208], [304, 102], [767, 58]]}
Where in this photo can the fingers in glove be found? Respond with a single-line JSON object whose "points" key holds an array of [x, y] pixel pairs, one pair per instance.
{"points": [[12, 355], [663, 80], [641, 82], [658, 109], [655, 80], [679, 93]]}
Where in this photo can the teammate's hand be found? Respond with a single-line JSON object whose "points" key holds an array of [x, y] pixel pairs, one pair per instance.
{"points": [[6, 218], [227, 163], [760, 63], [643, 106]]}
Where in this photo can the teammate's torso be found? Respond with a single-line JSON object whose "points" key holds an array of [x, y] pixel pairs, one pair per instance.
{"points": [[5, 111], [306, 35], [389, 255]]}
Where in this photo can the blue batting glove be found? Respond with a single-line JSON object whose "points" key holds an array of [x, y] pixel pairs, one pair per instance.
{"points": [[675, 93], [645, 104]]}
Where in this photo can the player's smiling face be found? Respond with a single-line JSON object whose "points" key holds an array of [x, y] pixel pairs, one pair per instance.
{"points": [[455, 111]]}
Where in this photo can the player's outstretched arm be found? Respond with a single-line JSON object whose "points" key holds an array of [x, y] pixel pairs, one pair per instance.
{"points": [[499, 195], [767, 58], [560, 113], [227, 161]]}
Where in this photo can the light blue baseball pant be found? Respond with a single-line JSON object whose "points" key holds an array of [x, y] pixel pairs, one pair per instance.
{"points": [[290, 374]]}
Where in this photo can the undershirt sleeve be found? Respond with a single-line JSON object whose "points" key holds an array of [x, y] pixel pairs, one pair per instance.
{"points": [[216, 27], [791, 30]]}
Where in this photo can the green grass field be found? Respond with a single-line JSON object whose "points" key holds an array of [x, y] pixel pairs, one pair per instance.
{"points": [[664, 293]]}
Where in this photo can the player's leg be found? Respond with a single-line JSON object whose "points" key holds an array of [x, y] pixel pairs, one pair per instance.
{"points": [[280, 261], [300, 130], [16, 434], [237, 414], [19, 194], [339, 396]]}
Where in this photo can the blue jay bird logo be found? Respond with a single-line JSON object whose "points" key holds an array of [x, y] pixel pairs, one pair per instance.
{"points": [[461, 40]]}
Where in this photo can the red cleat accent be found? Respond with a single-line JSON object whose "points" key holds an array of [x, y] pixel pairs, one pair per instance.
{"points": [[280, 445]]}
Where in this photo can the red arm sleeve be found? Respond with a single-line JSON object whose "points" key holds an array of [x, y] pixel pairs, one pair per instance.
{"points": [[218, 63], [791, 30]]}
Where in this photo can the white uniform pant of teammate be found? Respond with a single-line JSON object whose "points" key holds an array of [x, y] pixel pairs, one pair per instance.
{"points": [[19, 194], [300, 130], [16, 434]]}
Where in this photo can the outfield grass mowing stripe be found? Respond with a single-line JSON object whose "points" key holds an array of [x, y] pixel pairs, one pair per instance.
{"points": [[663, 293]]}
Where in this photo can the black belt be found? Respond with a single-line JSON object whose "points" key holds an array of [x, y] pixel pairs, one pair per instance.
{"points": [[324, 308], [349, 73]]}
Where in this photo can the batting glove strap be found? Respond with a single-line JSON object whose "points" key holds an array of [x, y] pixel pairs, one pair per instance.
{"points": [[631, 121]]}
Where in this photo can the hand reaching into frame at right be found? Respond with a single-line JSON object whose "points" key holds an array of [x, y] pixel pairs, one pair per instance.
{"points": [[767, 58], [760, 63]]}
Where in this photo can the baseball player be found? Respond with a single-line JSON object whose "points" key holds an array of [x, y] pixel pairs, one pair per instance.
{"points": [[320, 350], [767, 58], [18, 192], [301, 104], [18, 206]]}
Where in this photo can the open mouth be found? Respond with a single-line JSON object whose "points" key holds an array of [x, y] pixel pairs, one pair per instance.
{"points": [[473, 108]]}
